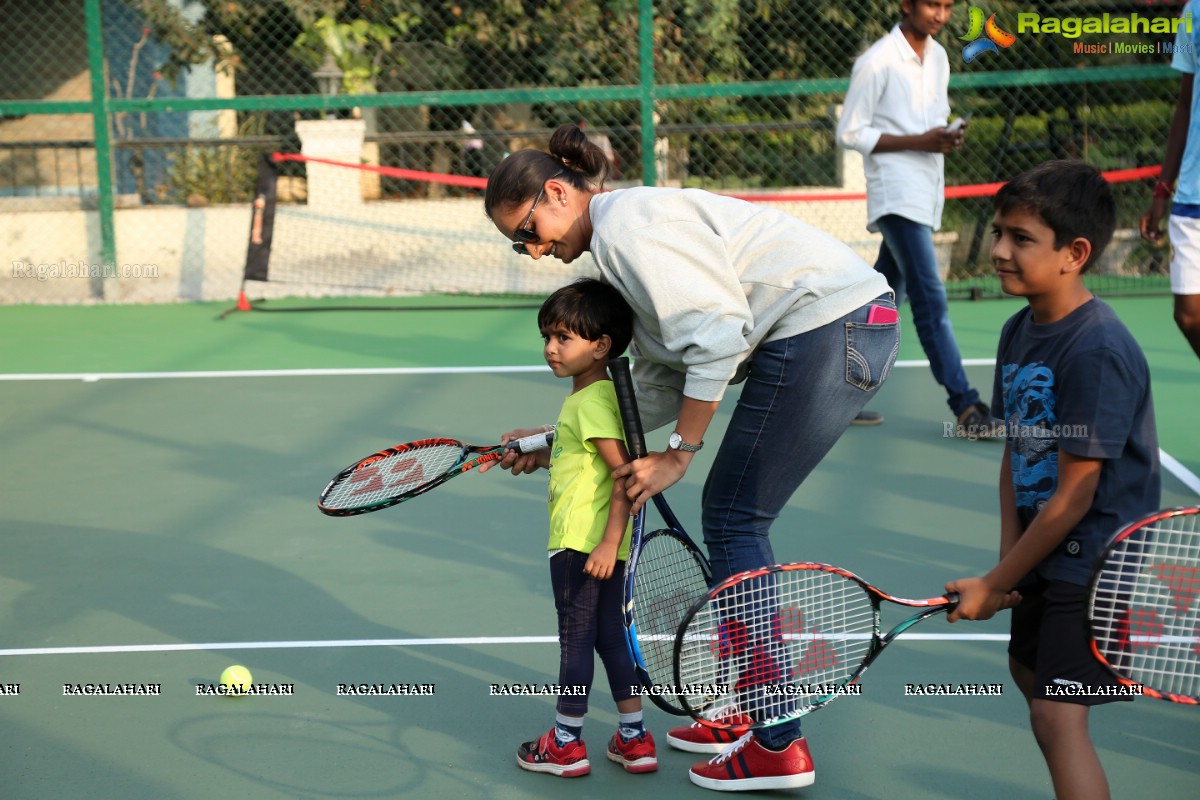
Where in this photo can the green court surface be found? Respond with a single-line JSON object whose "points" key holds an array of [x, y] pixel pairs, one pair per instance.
{"points": [[160, 474]]}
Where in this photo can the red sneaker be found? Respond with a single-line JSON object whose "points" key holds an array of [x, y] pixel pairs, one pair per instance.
{"points": [[697, 738], [748, 765], [636, 755], [544, 755]]}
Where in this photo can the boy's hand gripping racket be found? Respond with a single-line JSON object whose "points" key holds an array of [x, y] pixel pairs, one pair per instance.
{"points": [[664, 575], [402, 472], [770, 645], [1144, 608]]}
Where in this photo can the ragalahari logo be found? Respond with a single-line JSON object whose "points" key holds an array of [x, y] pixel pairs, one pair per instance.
{"points": [[984, 37]]}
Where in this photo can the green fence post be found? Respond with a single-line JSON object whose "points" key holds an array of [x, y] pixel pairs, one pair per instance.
{"points": [[99, 112], [646, 84]]}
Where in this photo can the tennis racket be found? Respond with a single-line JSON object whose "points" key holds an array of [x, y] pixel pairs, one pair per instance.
{"points": [[400, 473], [770, 645], [1144, 606], [664, 574]]}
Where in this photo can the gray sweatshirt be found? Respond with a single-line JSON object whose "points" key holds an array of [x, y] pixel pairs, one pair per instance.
{"points": [[712, 277]]}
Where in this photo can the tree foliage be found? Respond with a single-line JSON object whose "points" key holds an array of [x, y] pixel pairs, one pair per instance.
{"points": [[557, 42]]}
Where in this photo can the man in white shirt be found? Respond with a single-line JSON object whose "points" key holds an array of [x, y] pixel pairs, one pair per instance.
{"points": [[895, 114]]}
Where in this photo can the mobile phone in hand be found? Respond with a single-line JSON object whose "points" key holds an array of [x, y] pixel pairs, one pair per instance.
{"points": [[957, 125]]}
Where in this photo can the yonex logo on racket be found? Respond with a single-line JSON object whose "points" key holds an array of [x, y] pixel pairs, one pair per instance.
{"points": [[1138, 628], [820, 656], [1183, 583], [409, 472]]}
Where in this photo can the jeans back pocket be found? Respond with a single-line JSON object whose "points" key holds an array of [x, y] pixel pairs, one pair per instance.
{"points": [[870, 353]]}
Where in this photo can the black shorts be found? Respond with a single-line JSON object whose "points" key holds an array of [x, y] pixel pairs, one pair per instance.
{"points": [[1049, 637]]}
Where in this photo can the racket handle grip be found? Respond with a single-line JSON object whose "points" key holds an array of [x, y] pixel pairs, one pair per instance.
{"points": [[953, 598], [622, 380], [529, 444]]}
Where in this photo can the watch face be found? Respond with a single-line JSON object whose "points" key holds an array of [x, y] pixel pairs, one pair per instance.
{"points": [[676, 442]]}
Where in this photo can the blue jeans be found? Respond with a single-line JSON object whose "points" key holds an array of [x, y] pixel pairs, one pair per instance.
{"points": [[909, 263], [590, 620], [800, 395]]}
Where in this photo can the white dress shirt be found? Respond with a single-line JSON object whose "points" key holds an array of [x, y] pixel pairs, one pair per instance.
{"points": [[892, 90]]}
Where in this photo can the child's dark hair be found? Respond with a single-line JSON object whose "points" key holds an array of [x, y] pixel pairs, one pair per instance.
{"points": [[591, 309], [1071, 197]]}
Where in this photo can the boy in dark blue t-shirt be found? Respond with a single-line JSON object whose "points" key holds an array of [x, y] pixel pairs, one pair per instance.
{"points": [[1080, 459]]}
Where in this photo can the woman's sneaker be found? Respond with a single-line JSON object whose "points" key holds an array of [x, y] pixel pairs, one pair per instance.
{"points": [[747, 765], [697, 738], [545, 755], [635, 755]]}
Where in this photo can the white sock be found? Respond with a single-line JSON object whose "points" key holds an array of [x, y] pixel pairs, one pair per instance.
{"points": [[631, 725]]}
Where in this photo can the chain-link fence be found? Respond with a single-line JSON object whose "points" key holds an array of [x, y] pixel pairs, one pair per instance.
{"points": [[112, 111]]}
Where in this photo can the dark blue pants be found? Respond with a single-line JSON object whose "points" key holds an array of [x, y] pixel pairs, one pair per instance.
{"points": [[908, 261], [589, 621], [799, 397]]}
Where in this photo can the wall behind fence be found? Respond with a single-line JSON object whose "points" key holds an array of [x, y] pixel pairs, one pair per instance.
{"points": [[130, 129]]}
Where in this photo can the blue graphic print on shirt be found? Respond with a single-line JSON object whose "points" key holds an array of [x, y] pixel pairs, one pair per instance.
{"points": [[1030, 398]]}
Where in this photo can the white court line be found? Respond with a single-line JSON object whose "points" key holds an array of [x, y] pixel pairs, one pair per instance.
{"points": [[93, 377], [967, 362], [1185, 475], [1172, 465], [464, 640]]}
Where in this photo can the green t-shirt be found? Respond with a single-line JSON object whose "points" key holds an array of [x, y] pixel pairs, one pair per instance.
{"points": [[580, 481]]}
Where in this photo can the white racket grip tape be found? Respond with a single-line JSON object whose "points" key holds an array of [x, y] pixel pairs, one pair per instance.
{"points": [[530, 444]]}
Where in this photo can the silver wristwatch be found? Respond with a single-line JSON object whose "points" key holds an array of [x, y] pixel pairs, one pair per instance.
{"points": [[676, 442]]}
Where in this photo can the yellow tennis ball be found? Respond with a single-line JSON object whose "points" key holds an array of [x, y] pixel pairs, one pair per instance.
{"points": [[236, 679]]}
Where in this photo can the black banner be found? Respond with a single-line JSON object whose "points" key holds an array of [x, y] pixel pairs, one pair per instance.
{"points": [[262, 220]]}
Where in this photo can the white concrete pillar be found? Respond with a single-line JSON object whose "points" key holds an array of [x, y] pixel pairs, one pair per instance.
{"points": [[332, 188]]}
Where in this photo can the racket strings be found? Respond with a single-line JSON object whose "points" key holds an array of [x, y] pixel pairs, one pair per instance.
{"points": [[778, 645], [668, 580], [393, 475], [1146, 606]]}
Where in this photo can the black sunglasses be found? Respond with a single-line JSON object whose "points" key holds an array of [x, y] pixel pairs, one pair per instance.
{"points": [[523, 233]]}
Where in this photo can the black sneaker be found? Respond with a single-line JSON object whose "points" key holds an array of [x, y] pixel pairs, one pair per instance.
{"points": [[977, 422], [867, 418]]}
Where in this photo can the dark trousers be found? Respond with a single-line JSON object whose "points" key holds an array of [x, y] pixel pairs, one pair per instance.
{"points": [[589, 621]]}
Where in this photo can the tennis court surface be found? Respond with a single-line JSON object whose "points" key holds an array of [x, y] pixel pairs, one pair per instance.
{"points": [[160, 477]]}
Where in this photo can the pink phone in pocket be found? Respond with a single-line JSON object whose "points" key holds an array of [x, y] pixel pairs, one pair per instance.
{"points": [[881, 315]]}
